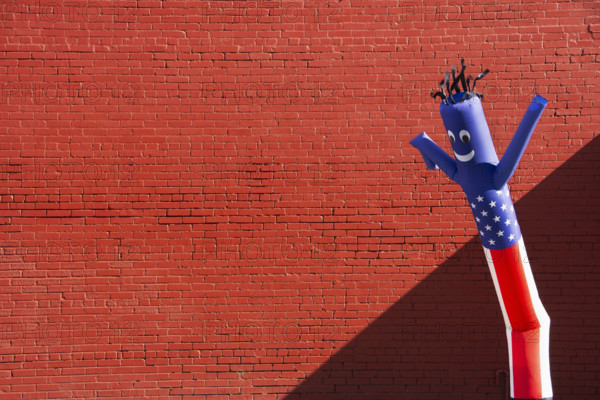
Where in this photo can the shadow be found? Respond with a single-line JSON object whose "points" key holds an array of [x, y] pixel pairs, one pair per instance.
{"points": [[445, 339]]}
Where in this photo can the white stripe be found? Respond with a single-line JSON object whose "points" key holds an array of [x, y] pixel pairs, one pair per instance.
{"points": [[510, 361], [544, 320], [490, 261], [545, 360]]}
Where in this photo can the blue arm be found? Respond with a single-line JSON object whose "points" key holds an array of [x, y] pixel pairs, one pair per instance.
{"points": [[508, 164], [434, 156]]}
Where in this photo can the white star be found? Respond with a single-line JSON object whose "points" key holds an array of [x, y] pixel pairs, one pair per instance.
{"points": [[484, 213], [488, 228], [498, 192], [500, 233], [492, 242], [481, 233], [507, 222], [506, 193], [477, 219], [492, 204], [479, 198], [515, 224], [511, 237], [503, 207], [512, 208], [473, 205], [496, 218]]}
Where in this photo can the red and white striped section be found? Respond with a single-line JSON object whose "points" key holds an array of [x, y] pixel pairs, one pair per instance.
{"points": [[527, 323]]}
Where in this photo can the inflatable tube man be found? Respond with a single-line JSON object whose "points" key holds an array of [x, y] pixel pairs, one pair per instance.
{"points": [[475, 167]]}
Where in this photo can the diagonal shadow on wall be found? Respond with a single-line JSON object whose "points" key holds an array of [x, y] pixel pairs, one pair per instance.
{"points": [[445, 339]]}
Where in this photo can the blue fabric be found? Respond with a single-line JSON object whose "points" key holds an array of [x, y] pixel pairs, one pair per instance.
{"points": [[475, 166]]}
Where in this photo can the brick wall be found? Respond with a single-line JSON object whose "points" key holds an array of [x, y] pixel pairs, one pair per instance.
{"points": [[218, 200]]}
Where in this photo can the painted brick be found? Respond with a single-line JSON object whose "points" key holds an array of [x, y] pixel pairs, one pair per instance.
{"points": [[218, 200]]}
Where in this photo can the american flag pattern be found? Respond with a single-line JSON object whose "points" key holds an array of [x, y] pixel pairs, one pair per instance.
{"points": [[495, 216], [484, 179], [526, 320]]}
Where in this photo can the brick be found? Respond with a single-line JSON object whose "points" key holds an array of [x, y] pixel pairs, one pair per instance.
{"points": [[221, 201]]}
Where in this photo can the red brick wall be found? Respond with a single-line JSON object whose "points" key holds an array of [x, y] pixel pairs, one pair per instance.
{"points": [[218, 200]]}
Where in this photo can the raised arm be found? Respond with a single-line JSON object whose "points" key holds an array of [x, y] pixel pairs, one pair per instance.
{"points": [[508, 164], [434, 156]]}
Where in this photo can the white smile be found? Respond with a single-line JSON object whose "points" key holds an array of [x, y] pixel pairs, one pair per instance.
{"points": [[466, 157]]}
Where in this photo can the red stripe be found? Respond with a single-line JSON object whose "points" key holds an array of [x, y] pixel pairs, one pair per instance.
{"points": [[525, 334], [527, 378], [513, 287]]}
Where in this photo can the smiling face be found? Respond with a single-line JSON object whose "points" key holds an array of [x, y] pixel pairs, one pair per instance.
{"points": [[465, 137], [468, 131]]}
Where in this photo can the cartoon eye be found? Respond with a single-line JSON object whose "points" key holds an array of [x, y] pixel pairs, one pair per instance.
{"points": [[451, 136], [465, 136]]}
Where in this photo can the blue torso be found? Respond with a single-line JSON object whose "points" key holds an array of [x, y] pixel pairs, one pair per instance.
{"points": [[492, 209]]}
